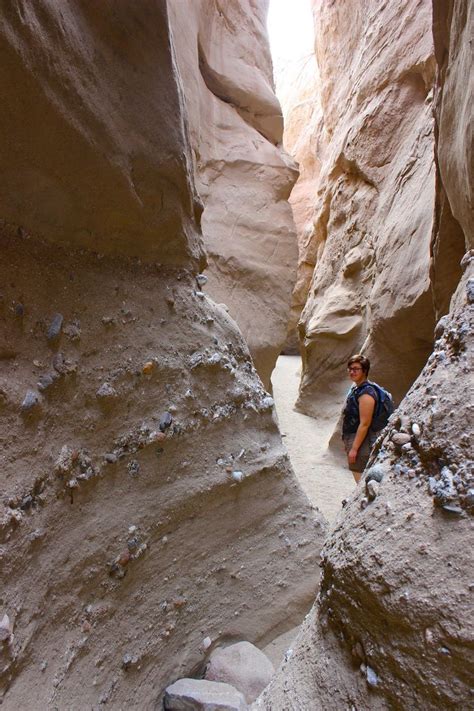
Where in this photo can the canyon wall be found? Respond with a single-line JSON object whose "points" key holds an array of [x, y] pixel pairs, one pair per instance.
{"points": [[299, 91], [372, 186], [391, 626], [243, 176], [148, 510]]}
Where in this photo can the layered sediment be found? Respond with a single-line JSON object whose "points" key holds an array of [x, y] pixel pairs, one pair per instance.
{"points": [[149, 511]]}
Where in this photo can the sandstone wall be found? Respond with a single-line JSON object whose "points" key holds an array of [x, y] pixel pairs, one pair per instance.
{"points": [[243, 176], [391, 626], [299, 92], [370, 235], [147, 500]]}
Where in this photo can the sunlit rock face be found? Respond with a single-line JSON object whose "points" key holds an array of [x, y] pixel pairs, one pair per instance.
{"points": [[243, 176], [391, 626], [299, 93], [148, 509], [371, 225]]}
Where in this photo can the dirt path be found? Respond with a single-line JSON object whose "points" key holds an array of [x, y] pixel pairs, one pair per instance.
{"points": [[321, 472]]}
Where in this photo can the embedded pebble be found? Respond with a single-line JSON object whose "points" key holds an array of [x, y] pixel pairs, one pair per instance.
{"points": [[19, 310], [166, 420], [415, 428], [364, 503], [205, 644], [55, 327], [372, 678], [470, 290], [148, 367], [45, 381], [201, 279], [237, 476], [30, 401], [400, 438], [133, 467], [452, 509], [375, 473], [110, 458], [372, 488], [106, 392], [73, 331], [267, 403], [128, 660], [200, 294], [156, 437]]}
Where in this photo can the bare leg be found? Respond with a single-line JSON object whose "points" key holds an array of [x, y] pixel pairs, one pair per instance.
{"points": [[357, 476]]}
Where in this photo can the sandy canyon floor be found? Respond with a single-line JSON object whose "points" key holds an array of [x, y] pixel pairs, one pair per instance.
{"points": [[321, 472]]}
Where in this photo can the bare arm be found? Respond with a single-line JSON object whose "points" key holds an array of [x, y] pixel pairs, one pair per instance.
{"points": [[366, 413]]}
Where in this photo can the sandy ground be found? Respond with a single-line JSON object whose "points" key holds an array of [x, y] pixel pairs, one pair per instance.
{"points": [[321, 472]]}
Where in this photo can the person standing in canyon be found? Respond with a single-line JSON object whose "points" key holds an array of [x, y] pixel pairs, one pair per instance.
{"points": [[366, 412]]}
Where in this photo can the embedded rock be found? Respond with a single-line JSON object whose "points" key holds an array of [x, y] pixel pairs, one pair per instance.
{"points": [[243, 176], [122, 532], [390, 626]]}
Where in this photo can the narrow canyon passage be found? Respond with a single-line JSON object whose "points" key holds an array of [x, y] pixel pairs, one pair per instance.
{"points": [[164, 514], [322, 472]]}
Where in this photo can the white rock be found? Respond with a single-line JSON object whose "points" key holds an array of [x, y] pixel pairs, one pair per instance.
{"points": [[244, 666], [202, 695]]}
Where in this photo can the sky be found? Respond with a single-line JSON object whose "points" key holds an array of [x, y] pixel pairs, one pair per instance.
{"points": [[290, 27]]}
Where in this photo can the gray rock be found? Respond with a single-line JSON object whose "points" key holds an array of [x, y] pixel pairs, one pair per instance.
{"points": [[106, 392], [55, 327], [401, 438], [242, 665], [30, 401], [165, 421], [375, 473], [46, 380], [372, 488], [202, 695], [372, 678]]}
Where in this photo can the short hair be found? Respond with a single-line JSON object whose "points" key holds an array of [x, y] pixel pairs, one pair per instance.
{"points": [[362, 360]]}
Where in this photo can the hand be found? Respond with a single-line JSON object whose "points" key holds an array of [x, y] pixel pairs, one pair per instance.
{"points": [[352, 456]]}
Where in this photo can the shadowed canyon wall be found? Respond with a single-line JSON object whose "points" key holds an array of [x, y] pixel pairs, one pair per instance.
{"points": [[242, 175], [147, 500], [391, 626], [367, 241]]}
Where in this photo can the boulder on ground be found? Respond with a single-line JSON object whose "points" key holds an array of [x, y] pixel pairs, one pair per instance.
{"points": [[202, 695], [244, 666]]}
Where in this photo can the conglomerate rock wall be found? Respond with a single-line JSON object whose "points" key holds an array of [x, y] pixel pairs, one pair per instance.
{"points": [[391, 626], [148, 509], [367, 245], [243, 176]]}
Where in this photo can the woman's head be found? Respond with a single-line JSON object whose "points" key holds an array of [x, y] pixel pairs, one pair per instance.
{"points": [[358, 364]]}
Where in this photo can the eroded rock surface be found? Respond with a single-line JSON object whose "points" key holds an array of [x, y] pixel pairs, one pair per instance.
{"points": [[243, 176], [149, 512], [391, 626], [370, 229]]}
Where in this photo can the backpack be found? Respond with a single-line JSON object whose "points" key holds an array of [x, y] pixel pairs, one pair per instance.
{"points": [[383, 409]]}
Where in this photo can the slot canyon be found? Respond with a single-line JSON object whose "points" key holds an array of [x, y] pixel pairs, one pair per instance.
{"points": [[188, 227]]}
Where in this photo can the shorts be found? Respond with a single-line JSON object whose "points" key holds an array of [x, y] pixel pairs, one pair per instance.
{"points": [[364, 451]]}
